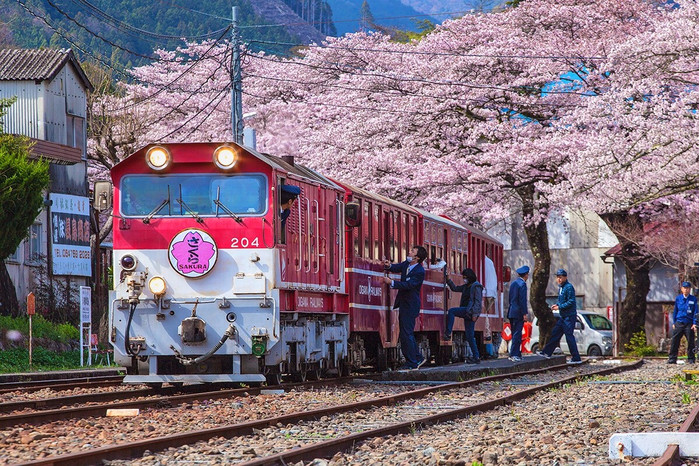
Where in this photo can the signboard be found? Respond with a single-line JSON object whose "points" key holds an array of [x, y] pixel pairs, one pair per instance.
{"points": [[70, 235], [31, 304], [85, 305]]}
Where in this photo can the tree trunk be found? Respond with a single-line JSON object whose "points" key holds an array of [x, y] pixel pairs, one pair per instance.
{"points": [[9, 306], [632, 315], [538, 239]]}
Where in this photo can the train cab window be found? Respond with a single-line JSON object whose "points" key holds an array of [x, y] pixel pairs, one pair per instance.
{"points": [[288, 195], [183, 195]]}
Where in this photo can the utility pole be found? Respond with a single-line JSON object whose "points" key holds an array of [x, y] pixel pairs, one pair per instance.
{"points": [[236, 83]]}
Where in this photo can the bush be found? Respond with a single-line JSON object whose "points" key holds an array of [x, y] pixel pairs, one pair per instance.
{"points": [[639, 347], [41, 328]]}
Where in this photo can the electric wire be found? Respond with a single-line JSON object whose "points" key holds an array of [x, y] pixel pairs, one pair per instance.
{"points": [[204, 107], [400, 78], [436, 54], [107, 41], [121, 25]]}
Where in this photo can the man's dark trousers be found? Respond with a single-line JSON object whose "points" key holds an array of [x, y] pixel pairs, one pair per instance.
{"points": [[679, 330]]}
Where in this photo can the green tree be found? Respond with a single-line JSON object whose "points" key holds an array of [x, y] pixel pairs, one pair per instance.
{"points": [[21, 184]]}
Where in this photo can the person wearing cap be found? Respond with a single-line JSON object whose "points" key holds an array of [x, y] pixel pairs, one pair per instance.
{"points": [[565, 325], [517, 311], [289, 193], [469, 309], [684, 318]]}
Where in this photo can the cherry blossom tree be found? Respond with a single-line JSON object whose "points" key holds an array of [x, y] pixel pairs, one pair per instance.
{"points": [[532, 109], [637, 141]]}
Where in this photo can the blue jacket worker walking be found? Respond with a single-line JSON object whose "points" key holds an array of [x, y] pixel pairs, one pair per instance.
{"points": [[567, 309], [469, 309], [517, 310], [412, 274], [685, 322]]}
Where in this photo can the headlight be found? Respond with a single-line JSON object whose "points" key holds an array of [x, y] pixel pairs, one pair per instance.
{"points": [[225, 157], [157, 286], [128, 263], [158, 158]]}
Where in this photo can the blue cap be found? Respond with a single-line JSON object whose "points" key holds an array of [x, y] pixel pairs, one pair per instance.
{"points": [[561, 273], [290, 189], [522, 270], [686, 285]]}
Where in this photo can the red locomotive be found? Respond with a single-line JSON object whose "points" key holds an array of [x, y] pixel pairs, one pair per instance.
{"points": [[219, 278]]}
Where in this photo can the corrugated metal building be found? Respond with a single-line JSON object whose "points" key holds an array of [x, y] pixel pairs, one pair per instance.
{"points": [[51, 107]]}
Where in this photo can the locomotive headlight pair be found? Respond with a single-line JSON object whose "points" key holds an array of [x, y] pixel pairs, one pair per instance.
{"points": [[157, 286]]}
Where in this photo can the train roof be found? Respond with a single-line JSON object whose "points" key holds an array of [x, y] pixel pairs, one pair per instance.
{"points": [[275, 162], [350, 188]]}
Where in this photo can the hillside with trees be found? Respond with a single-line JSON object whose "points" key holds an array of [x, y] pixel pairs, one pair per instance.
{"points": [[126, 32]]}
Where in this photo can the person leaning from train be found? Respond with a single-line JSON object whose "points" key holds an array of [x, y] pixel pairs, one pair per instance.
{"points": [[288, 195], [684, 323], [412, 274], [469, 309], [565, 325], [517, 311]]}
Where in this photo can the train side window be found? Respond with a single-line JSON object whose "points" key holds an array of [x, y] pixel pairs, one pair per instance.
{"points": [[357, 234], [433, 254], [367, 230], [452, 261], [375, 222], [405, 235]]}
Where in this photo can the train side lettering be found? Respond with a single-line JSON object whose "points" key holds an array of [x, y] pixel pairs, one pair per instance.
{"points": [[245, 242]]}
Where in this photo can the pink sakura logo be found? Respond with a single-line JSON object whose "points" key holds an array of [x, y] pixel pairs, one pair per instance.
{"points": [[193, 253]]}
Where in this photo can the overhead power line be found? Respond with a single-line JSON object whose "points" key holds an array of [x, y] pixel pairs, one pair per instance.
{"points": [[140, 32], [417, 52]]}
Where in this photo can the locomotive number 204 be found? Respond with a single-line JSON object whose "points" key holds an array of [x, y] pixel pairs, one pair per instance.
{"points": [[245, 242]]}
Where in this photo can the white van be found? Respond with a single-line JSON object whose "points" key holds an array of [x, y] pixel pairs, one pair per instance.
{"points": [[593, 335]]}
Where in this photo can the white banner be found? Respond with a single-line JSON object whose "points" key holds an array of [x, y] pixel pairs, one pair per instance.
{"points": [[70, 235]]}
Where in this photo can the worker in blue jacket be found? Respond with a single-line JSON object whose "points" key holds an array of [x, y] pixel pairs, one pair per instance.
{"points": [[517, 310], [684, 318], [567, 309], [412, 274]]}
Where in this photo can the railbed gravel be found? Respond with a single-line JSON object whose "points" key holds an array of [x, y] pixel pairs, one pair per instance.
{"points": [[28, 442], [570, 425]]}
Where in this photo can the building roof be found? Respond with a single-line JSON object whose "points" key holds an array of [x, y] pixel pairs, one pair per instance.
{"points": [[38, 65]]}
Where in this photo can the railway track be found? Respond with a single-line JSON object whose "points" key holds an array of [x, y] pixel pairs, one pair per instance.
{"points": [[445, 411], [151, 398], [61, 384]]}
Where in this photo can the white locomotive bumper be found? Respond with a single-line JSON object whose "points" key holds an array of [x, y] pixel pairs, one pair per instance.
{"points": [[195, 378]]}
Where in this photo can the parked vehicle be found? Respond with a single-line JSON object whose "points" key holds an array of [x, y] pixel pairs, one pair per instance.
{"points": [[593, 334]]}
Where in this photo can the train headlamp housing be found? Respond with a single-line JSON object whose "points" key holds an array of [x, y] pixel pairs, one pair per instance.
{"points": [[128, 263], [225, 157], [157, 286], [158, 158]]}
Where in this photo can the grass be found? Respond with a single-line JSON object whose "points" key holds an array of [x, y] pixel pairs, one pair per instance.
{"points": [[15, 360]]}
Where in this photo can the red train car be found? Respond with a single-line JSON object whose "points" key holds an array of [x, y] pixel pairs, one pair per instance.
{"points": [[214, 284], [380, 228]]}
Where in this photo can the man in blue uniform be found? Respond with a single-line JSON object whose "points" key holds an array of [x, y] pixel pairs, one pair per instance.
{"points": [[517, 310], [289, 193], [567, 309], [684, 319], [412, 274], [469, 309]]}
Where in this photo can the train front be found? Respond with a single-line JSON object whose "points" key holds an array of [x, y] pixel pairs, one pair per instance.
{"points": [[194, 264]]}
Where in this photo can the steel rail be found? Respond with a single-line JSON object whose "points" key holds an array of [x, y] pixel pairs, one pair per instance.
{"points": [[98, 410], [61, 384], [136, 448], [671, 457]]}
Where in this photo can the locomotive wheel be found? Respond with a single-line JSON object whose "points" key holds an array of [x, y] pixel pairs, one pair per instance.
{"points": [[273, 378], [381, 358], [300, 376], [313, 374], [344, 369]]}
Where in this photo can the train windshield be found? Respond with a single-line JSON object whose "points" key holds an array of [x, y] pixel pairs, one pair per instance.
{"points": [[206, 195]]}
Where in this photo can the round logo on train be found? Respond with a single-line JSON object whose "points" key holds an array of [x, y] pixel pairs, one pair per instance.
{"points": [[192, 253]]}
